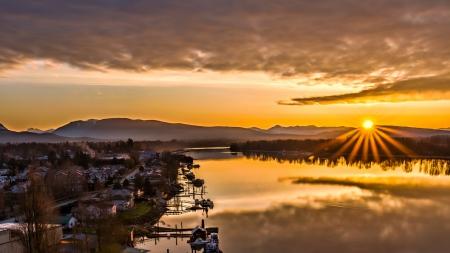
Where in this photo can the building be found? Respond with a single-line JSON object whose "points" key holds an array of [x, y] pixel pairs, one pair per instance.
{"points": [[123, 199], [10, 237], [8, 242], [147, 154]]}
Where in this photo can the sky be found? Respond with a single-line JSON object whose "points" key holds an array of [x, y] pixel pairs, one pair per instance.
{"points": [[225, 62]]}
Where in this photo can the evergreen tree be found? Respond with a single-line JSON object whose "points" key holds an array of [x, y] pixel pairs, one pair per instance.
{"points": [[126, 183], [148, 188]]}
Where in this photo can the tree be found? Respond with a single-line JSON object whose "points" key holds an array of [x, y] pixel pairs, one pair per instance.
{"points": [[114, 161], [100, 217], [52, 156], [138, 181], [12, 162], [148, 187], [129, 163], [135, 155], [38, 216], [130, 143]]}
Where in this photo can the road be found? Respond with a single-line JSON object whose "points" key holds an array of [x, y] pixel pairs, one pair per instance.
{"points": [[132, 173]]}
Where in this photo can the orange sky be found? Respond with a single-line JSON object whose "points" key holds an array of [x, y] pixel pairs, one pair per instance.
{"points": [[237, 63], [36, 98]]}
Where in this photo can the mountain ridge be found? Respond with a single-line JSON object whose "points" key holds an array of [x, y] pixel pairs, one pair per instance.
{"points": [[122, 128], [39, 131], [113, 129]]}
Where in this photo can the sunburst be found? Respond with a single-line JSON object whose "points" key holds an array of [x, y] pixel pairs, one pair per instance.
{"points": [[368, 139]]}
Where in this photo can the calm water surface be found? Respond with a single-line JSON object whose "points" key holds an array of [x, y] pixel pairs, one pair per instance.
{"points": [[272, 206]]}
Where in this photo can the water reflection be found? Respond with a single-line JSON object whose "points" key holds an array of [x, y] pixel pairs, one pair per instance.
{"points": [[374, 223], [273, 203], [433, 167]]}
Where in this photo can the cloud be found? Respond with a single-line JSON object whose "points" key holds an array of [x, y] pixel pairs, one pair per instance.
{"points": [[420, 188], [417, 89], [373, 223], [370, 44]]}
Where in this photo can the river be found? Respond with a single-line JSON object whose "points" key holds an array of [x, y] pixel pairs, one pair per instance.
{"points": [[275, 205]]}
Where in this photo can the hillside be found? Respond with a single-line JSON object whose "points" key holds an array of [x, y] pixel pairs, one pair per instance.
{"points": [[119, 129]]}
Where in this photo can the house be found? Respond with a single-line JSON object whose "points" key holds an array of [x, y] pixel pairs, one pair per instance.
{"points": [[137, 192], [147, 154], [95, 210], [5, 171], [68, 221], [74, 243], [198, 232], [10, 233], [71, 179], [9, 242], [100, 175], [123, 199], [19, 188]]}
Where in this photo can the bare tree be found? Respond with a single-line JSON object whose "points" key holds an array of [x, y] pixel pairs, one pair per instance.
{"points": [[100, 217], [39, 234]]}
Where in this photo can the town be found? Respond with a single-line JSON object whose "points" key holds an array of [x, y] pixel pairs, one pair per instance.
{"points": [[90, 197]]}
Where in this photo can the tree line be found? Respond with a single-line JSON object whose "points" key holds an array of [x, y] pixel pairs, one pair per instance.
{"points": [[423, 146]]}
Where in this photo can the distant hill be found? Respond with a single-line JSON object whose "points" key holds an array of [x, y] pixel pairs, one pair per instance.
{"points": [[401, 131], [331, 132], [11, 136], [307, 130], [121, 129], [39, 131]]}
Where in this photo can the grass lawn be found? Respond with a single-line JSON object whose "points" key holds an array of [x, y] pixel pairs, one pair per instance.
{"points": [[140, 209]]}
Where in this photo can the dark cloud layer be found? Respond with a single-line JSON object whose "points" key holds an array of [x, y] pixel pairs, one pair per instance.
{"points": [[372, 42], [418, 89]]}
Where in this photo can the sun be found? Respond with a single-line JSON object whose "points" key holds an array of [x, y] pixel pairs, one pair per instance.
{"points": [[368, 124]]}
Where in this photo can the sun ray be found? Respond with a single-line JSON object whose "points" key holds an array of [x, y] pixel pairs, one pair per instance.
{"points": [[374, 148], [356, 147], [368, 141], [391, 130], [348, 134], [346, 145], [366, 145], [382, 144], [396, 144], [336, 140]]}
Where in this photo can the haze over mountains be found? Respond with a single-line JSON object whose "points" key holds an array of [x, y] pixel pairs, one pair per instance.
{"points": [[122, 129], [119, 129], [39, 131]]}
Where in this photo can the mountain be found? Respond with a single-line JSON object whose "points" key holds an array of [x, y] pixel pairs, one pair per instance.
{"points": [[412, 132], [259, 129], [39, 131], [11, 136], [307, 130], [331, 132], [122, 129]]}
